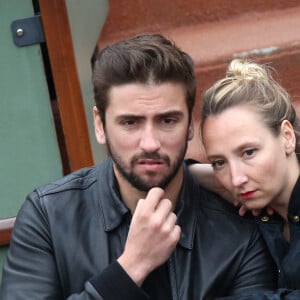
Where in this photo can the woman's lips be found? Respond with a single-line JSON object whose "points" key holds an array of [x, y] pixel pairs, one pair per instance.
{"points": [[247, 195]]}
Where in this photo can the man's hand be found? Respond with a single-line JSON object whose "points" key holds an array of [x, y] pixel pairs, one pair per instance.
{"points": [[153, 235]]}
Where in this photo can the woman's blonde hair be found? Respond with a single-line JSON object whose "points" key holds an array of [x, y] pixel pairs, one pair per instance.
{"points": [[249, 83]]}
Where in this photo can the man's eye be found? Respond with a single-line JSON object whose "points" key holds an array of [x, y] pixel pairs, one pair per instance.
{"points": [[128, 122], [249, 152], [168, 121]]}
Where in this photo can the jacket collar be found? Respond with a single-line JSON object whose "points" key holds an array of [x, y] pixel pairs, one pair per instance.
{"points": [[114, 212], [294, 204], [112, 207], [187, 208], [293, 209]]}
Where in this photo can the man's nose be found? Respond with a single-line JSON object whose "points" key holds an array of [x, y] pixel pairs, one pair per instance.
{"points": [[149, 141]]}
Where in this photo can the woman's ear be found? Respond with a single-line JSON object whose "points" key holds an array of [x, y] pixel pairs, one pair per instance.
{"points": [[288, 133], [99, 127]]}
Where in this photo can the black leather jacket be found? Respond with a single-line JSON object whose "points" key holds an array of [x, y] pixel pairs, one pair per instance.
{"points": [[69, 233]]}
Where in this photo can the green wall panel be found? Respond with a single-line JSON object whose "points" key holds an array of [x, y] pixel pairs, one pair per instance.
{"points": [[29, 153], [3, 251]]}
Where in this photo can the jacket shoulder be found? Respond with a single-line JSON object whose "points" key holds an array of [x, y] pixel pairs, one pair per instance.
{"points": [[217, 205], [78, 180]]}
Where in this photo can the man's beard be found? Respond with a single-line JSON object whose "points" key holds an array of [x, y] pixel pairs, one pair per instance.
{"points": [[136, 180]]}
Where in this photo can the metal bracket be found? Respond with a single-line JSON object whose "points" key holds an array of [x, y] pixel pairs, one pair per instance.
{"points": [[28, 31]]}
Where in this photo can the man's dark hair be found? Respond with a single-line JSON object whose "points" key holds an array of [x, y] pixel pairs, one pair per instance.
{"points": [[145, 58]]}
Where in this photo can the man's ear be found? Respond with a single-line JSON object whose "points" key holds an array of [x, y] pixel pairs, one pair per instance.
{"points": [[191, 130], [99, 127], [288, 134]]}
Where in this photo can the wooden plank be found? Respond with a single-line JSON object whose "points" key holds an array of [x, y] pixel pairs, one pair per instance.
{"points": [[63, 64], [6, 227]]}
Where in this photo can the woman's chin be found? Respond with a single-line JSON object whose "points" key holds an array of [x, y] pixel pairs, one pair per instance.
{"points": [[255, 205]]}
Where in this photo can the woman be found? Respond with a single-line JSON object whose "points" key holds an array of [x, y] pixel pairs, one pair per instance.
{"points": [[251, 136]]}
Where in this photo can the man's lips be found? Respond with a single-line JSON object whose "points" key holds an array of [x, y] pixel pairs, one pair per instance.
{"points": [[150, 162], [154, 165], [247, 195]]}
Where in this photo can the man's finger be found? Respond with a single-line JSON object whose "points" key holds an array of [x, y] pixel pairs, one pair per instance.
{"points": [[153, 197]]}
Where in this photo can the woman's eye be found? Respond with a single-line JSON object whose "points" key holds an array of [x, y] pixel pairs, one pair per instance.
{"points": [[217, 164]]}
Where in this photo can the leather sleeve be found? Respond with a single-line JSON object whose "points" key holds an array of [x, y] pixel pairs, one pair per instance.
{"points": [[279, 294], [114, 284], [30, 270], [257, 267]]}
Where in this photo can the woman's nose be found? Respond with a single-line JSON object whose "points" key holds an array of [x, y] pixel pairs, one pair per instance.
{"points": [[238, 175]]}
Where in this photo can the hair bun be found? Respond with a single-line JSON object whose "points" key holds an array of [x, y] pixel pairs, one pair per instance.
{"points": [[245, 69]]}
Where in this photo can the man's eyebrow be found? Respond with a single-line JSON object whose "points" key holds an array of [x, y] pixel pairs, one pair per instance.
{"points": [[160, 115], [171, 113], [130, 116]]}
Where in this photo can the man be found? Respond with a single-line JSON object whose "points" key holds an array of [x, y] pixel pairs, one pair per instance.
{"points": [[136, 226]]}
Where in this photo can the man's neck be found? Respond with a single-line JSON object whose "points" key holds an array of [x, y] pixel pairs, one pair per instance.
{"points": [[130, 195]]}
